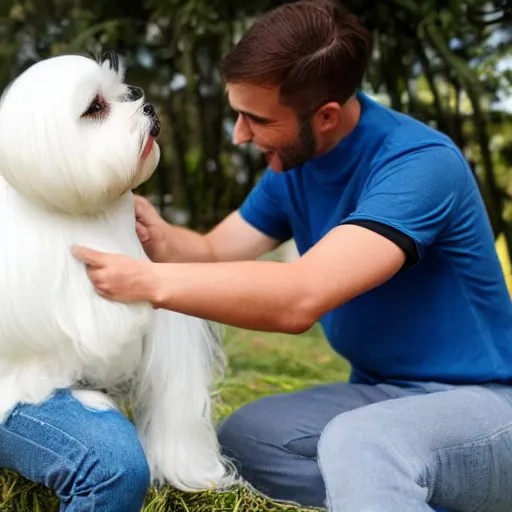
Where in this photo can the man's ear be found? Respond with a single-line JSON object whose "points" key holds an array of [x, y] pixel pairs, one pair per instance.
{"points": [[327, 118]]}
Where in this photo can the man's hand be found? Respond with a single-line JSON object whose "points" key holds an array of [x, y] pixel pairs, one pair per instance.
{"points": [[231, 240], [260, 295], [152, 230], [117, 277]]}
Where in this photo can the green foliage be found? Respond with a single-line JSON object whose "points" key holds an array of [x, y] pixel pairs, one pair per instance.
{"points": [[441, 47], [260, 364]]}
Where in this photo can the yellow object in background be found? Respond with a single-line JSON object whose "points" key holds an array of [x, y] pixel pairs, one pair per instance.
{"points": [[501, 247]]}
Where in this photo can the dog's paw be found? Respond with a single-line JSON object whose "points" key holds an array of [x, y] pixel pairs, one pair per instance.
{"points": [[94, 400]]}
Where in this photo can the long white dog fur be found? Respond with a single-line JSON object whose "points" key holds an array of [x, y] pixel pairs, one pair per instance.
{"points": [[66, 175]]}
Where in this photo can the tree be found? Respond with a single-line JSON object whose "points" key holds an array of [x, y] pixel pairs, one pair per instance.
{"points": [[435, 60]]}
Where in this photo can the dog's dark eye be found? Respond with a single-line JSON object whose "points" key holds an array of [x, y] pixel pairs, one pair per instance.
{"points": [[97, 106]]}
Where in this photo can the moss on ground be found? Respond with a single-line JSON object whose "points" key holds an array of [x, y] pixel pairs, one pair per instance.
{"points": [[260, 364]]}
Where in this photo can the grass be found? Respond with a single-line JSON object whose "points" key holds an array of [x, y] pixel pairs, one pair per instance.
{"points": [[260, 364]]}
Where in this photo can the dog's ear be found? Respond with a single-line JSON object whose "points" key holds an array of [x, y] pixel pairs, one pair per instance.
{"points": [[114, 64], [112, 58]]}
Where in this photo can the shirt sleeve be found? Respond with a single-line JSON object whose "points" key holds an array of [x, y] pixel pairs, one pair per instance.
{"points": [[264, 207], [416, 193]]}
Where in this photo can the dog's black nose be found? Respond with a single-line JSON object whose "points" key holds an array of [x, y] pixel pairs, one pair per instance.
{"points": [[149, 110], [155, 128]]}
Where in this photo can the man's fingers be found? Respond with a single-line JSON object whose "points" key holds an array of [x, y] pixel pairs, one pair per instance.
{"points": [[94, 261], [142, 206], [99, 281], [88, 256], [142, 232]]}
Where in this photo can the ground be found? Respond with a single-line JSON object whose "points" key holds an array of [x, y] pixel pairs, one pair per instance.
{"points": [[259, 364]]}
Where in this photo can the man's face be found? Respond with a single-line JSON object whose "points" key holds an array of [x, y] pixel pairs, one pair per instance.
{"points": [[274, 128]]}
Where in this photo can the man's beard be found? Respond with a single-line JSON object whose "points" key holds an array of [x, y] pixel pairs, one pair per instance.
{"points": [[296, 154]]}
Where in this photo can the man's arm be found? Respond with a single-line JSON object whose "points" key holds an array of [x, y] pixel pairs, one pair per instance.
{"points": [[284, 297], [232, 239], [418, 194]]}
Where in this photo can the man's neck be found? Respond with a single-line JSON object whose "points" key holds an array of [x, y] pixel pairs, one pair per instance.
{"points": [[350, 117]]}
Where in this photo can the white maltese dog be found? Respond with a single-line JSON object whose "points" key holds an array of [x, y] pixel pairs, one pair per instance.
{"points": [[74, 141]]}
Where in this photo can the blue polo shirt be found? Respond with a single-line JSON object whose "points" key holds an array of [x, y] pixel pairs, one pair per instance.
{"points": [[447, 316]]}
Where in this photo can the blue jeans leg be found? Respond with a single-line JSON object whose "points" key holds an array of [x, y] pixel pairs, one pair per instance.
{"points": [[91, 459], [273, 442], [421, 447], [450, 449]]}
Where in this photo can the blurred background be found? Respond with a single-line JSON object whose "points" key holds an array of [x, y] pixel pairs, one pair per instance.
{"points": [[446, 62]]}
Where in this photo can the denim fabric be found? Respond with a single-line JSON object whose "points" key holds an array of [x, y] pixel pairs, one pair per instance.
{"points": [[379, 448], [91, 459]]}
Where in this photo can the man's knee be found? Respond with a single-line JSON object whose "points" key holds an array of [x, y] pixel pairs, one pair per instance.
{"points": [[263, 440], [267, 423], [265, 434], [356, 438], [245, 428]]}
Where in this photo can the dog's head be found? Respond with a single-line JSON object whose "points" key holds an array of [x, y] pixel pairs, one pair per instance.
{"points": [[73, 136]]}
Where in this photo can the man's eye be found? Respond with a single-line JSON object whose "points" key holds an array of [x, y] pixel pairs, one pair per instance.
{"points": [[257, 120]]}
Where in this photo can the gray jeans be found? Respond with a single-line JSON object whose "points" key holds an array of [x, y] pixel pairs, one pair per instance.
{"points": [[382, 448]]}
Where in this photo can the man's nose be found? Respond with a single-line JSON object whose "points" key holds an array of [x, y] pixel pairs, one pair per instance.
{"points": [[241, 133]]}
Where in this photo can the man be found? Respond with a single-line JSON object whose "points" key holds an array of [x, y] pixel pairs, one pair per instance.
{"points": [[397, 263]]}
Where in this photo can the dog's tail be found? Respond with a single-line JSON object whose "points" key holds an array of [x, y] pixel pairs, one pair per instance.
{"points": [[173, 403]]}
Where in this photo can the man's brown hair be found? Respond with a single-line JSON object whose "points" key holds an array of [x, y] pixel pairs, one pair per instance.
{"points": [[315, 51]]}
